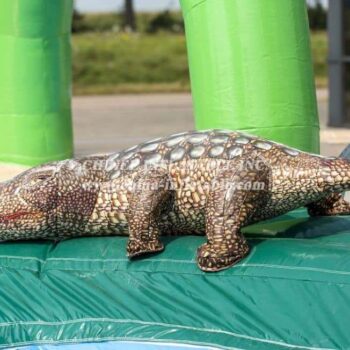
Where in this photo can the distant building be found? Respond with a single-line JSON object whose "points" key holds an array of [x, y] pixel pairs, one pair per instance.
{"points": [[339, 62]]}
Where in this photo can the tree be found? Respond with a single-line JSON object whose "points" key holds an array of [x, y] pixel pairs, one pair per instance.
{"points": [[165, 21], [317, 15], [129, 16], [78, 24]]}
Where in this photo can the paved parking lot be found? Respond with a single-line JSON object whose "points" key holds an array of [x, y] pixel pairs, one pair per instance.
{"points": [[110, 123]]}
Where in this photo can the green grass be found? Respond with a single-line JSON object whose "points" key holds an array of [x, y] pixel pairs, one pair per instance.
{"points": [[108, 62]]}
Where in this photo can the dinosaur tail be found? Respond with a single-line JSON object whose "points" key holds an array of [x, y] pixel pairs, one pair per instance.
{"points": [[345, 153]]}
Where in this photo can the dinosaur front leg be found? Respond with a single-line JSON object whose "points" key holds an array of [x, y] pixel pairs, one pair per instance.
{"points": [[230, 207], [334, 204], [149, 192]]}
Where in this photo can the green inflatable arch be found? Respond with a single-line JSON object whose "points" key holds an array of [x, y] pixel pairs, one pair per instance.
{"points": [[35, 81], [251, 68]]}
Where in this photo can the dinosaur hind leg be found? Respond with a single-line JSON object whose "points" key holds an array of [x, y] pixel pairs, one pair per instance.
{"points": [[229, 207], [334, 204], [148, 194]]}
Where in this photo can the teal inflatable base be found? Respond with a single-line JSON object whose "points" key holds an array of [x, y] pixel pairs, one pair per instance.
{"points": [[120, 345], [291, 292]]}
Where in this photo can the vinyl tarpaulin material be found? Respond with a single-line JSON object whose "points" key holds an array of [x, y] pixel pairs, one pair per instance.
{"points": [[292, 291], [121, 345], [251, 68], [35, 81]]}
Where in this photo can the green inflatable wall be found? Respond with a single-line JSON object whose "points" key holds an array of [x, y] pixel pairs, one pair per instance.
{"points": [[251, 69], [35, 83]]}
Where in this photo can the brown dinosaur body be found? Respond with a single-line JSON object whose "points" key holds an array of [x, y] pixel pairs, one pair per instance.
{"points": [[211, 183]]}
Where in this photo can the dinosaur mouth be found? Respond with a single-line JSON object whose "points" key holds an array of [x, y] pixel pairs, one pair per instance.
{"points": [[14, 216]]}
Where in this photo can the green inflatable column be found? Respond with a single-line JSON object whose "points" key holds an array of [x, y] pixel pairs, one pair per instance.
{"points": [[35, 81], [251, 68]]}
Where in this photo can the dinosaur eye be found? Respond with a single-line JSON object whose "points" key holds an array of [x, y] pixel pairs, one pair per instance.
{"points": [[42, 177], [37, 178]]}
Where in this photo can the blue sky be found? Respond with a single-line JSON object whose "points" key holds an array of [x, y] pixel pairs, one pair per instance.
{"points": [[140, 5]]}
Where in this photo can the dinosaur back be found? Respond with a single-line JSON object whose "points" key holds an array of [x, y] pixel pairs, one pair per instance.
{"points": [[194, 145]]}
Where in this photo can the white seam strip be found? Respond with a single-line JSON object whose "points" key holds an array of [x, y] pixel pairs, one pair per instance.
{"points": [[305, 240], [22, 258], [286, 267], [91, 260], [120, 260], [207, 330]]}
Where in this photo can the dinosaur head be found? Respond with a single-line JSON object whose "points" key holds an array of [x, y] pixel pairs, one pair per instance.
{"points": [[48, 201], [27, 203]]}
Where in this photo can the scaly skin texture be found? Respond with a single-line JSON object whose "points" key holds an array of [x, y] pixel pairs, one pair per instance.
{"points": [[213, 182]]}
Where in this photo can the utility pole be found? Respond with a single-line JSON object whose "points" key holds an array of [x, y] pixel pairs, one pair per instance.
{"points": [[129, 16]]}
